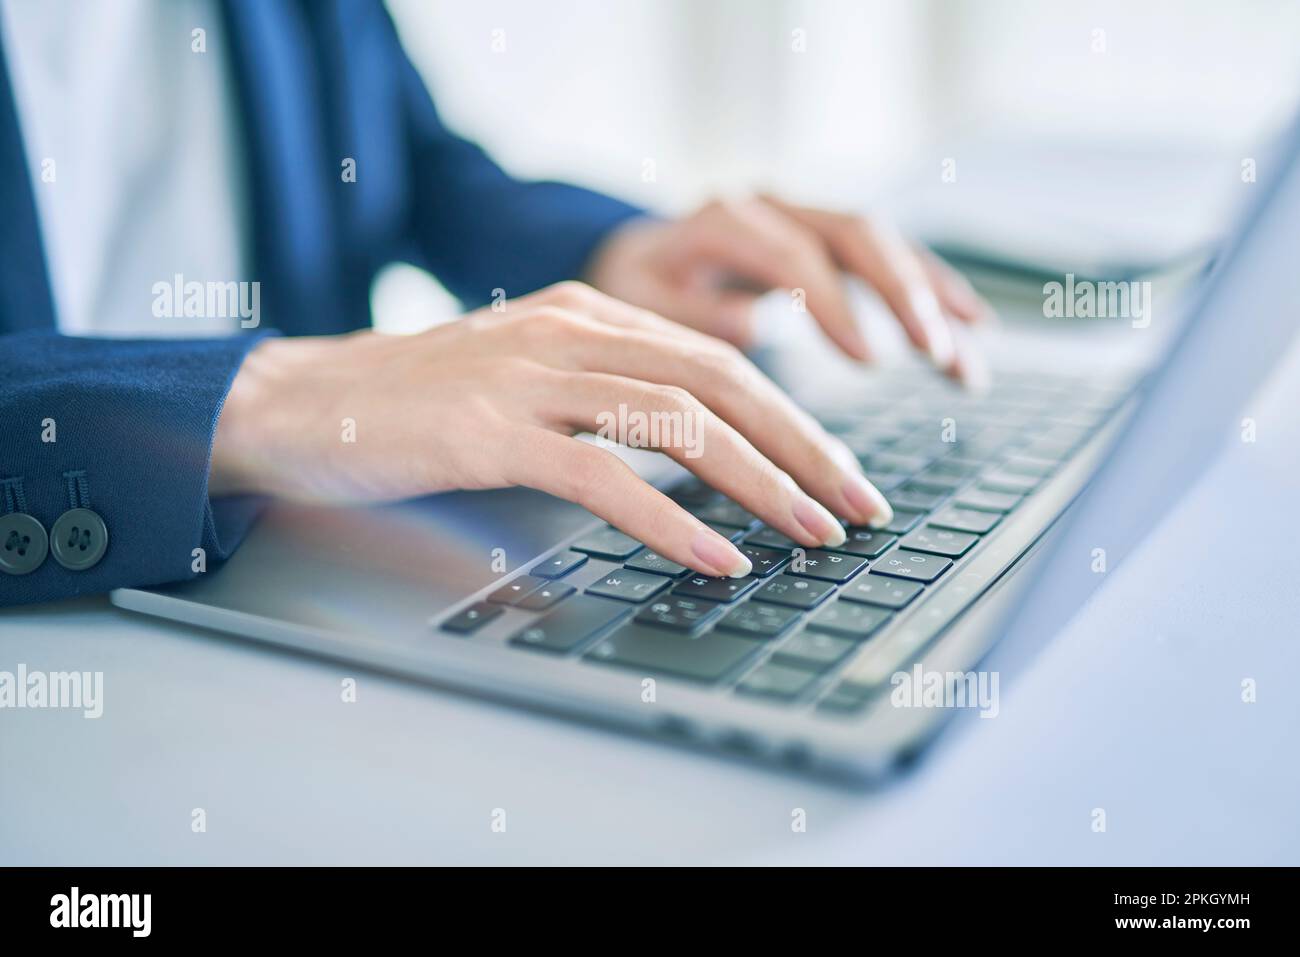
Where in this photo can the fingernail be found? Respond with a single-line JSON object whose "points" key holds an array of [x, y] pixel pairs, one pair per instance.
{"points": [[866, 499], [818, 522], [721, 557]]}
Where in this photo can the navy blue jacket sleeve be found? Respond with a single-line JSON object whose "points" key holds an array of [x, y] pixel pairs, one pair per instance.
{"points": [[137, 417], [479, 229]]}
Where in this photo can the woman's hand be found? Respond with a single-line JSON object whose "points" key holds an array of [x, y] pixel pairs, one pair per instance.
{"points": [[495, 399], [689, 269]]}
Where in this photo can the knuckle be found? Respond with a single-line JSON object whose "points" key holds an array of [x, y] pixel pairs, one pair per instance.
{"points": [[587, 475], [674, 398], [551, 320], [573, 294]]}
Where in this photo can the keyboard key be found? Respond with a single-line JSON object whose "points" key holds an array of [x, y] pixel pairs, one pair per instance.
{"points": [[844, 699], [882, 591], [656, 564], [828, 566], [725, 512], [866, 542], [759, 620], [795, 592], [813, 650], [886, 481], [694, 492], [512, 592], [569, 625], [707, 656], [771, 538], [848, 619], [891, 462], [629, 585], [987, 500], [904, 521], [546, 596], [472, 618], [607, 543], [964, 519], [714, 589], [765, 560], [939, 541], [1001, 481], [940, 482], [914, 565], [912, 496], [678, 613], [1028, 465], [776, 681], [557, 566], [726, 531]]}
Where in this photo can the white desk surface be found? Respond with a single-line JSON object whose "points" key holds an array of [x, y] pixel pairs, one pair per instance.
{"points": [[1135, 708]]}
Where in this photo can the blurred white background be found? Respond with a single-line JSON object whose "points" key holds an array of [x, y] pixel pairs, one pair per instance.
{"points": [[666, 102]]}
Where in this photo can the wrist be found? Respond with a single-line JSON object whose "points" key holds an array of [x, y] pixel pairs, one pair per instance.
{"points": [[251, 438]]}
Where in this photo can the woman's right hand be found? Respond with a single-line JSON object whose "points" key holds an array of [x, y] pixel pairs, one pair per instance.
{"points": [[496, 398]]}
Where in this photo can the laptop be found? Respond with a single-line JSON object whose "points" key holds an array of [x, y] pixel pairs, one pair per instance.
{"points": [[1010, 510]]}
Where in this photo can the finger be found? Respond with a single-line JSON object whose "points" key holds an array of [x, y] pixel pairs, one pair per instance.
{"points": [[604, 485], [728, 314], [759, 243], [640, 345], [969, 367], [876, 253], [954, 291], [671, 420]]}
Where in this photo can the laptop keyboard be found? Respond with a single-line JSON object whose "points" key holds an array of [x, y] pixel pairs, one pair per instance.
{"points": [[823, 627]]}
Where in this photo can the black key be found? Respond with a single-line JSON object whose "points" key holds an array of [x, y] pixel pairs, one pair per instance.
{"points": [[656, 564], [814, 651], [512, 592], [714, 589], [725, 512], [882, 591], [844, 699], [569, 625], [472, 618], [694, 492], [914, 497], [939, 541], [546, 596], [848, 619], [964, 519], [932, 479], [771, 538], [776, 681], [759, 620], [866, 542], [677, 612], [765, 560], [886, 481], [706, 656], [557, 566], [795, 592], [828, 566], [914, 565], [987, 500], [891, 462], [607, 543], [998, 480], [628, 585], [726, 531], [903, 521]]}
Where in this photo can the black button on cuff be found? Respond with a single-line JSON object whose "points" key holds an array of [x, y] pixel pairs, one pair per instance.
{"points": [[23, 544], [78, 539]]}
